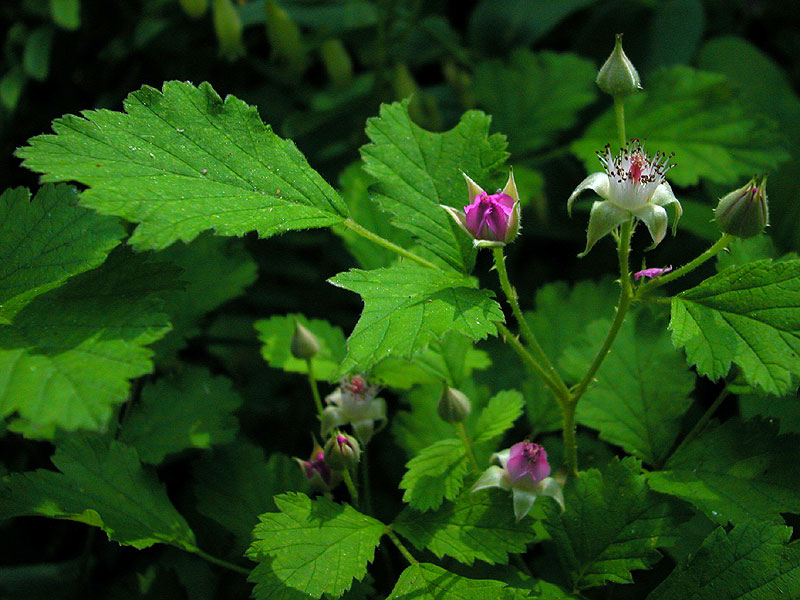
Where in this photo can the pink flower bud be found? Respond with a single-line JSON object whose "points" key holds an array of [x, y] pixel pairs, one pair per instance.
{"points": [[527, 464], [651, 273], [317, 470]]}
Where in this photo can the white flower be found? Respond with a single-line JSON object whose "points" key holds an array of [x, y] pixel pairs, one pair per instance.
{"points": [[633, 185], [524, 472], [354, 402]]}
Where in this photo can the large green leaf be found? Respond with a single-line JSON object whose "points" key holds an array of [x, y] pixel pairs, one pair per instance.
{"points": [[612, 524], [499, 415], [418, 170], [45, 241], [181, 161], [478, 526], [641, 390], [101, 484], [68, 356], [315, 546], [697, 116], [407, 306], [192, 409], [535, 96], [424, 581], [748, 316], [751, 562], [737, 472], [435, 474]]}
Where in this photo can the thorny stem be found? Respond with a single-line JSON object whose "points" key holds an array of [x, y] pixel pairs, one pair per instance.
{"points": [[381, 241], [314, 389], [218, 561], [539, 354], [400, 546], [712, 251], [462, 433]]}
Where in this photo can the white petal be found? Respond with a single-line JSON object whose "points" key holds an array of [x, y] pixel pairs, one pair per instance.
{"points": [[523, 502], [655, 217], [334, 398], [494, 476], [550, 487], [663, 196], [596, 181], [603, 218], [473, 189], [331, 418], [502, 457]]}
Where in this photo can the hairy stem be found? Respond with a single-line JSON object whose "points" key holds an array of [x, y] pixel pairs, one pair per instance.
{"points": [[381, 241], [219, 562], [312, 382], [619, 115], [400, 546], [528, 359], [568, 435], [351, 487]]}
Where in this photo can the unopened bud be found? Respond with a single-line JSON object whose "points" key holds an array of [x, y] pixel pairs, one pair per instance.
{"points": [[228, 25], [337, 62], [342, 451], [454, 406], [744, 212], [304, 343], [284, 37], [618, 76]]}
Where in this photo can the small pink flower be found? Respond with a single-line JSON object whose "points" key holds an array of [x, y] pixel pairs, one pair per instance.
{"points": [[489, 219], [354, 403], [527, 464], [650, 273]]}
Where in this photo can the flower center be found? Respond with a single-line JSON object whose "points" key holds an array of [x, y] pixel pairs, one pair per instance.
{"points": [[530, 452]]}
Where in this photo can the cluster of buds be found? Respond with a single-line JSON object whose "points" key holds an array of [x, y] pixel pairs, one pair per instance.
{"points": [[325, 467]]}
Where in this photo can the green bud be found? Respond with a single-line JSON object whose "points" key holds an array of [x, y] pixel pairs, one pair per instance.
{"points": [[337, 62], [342, 451], [454, 406], [284, 37], [618, 76], [744, 212], [304, 343], [228, 26], [194, 8]]}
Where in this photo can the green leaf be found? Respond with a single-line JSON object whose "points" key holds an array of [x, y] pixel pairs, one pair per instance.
{"points": [[407, 306], [190, 410], [697, 116], [736, 472], [612, 524], [215, 270], [235, 484], [69, 355], [740, 252], [277, 332], [786, 410], [478, 526], [420, 426], [435, 474], [748, 316], [752, 562], [535, 96], [640, 392], [101, 484], [181, 161], [315, 546], [424, 581], [47, 240], [418, 170], [498, 416]]}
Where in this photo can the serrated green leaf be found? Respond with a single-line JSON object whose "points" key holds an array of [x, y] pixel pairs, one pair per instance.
{"points": [[68, 356], [181, 161], [748, 316], [612, 525], [535, 96], [407, 306], [418, 170], [215, 270], [697, 116], [47, 240], [424, 581], [192, 409], [235, 483], [276, 334], [786, 410], [736, 472], [268, 586], [315, 546], [752, 562], [499, 415], [435, 474], [641, 390], [102, 484], [477, 526]]}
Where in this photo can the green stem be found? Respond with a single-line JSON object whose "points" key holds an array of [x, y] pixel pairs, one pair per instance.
{"points": [[375, 238], [619, 114], [351, 487], [700, 425], [625, 297], [527, 334], [312, 381], [712, 251], [568, 435], [462, 433], [218, 561], [400, 546]]}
